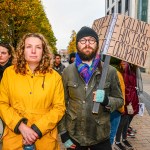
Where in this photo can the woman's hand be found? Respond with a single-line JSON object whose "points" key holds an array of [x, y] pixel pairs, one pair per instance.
{"points": [[29, 135]]}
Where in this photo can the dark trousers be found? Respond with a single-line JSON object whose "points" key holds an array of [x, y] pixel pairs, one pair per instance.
{"points": [[100, 146], [122, 129]]}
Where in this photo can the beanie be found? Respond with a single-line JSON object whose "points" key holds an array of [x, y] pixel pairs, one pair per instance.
{"points": [[72, 55], [86, 31]]}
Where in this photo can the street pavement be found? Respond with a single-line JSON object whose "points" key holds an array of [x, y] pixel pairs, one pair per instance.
{"points": [[140, 123]]}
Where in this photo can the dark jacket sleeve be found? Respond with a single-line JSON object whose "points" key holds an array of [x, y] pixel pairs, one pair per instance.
{"points": [[115, 95]]}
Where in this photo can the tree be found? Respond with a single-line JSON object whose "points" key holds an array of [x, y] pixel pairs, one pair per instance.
{"points": [[72, 44], [23, 16]]}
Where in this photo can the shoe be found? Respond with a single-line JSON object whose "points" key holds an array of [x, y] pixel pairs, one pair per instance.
{"points": [[127, 145], [119, 147], [132, 130], [130, 135]]}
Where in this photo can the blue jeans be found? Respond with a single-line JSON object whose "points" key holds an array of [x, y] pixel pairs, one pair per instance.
{"points": [[115, 117]]}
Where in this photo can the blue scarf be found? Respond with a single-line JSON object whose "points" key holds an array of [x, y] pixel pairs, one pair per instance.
{"points": [[85, 70]]}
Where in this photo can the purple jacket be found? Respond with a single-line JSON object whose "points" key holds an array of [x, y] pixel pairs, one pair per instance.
{"points": [[129, 76]]}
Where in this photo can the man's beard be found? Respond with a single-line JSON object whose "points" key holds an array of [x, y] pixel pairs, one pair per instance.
{"points": [[89, 57]]}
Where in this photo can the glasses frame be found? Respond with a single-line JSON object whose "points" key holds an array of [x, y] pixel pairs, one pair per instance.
{"points": [[90, 41]]}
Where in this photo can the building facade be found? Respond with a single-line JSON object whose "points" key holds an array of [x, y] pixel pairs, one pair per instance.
{"points": [[138, 9]]}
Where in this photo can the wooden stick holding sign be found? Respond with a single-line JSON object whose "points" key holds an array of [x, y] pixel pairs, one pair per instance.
{"points": [[102, 83], [107, 60]]}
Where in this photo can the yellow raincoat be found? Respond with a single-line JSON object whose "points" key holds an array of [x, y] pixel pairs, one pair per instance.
{"points": [[122, 85], [37, 97]]}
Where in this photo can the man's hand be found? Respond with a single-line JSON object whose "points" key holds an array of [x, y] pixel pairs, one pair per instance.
{"points": [[69, 144], [65, 138], [100, 97], [29, 135]]}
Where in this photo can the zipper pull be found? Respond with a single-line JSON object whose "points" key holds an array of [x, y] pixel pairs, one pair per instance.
{"points": [[86, 87]]}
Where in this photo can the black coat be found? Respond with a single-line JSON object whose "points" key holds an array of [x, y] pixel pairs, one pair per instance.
{"points": [[2, 68]]}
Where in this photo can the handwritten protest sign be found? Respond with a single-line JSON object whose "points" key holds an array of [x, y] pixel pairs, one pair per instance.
{"points": [[125, 38]]}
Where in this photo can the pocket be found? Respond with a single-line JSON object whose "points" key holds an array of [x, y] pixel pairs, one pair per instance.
{"points": [[73, 89], [107, 87], [99, 126]]}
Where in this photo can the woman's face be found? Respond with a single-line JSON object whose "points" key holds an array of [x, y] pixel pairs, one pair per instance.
{"points": [[124, 64], [33, 50], [4, 55]]}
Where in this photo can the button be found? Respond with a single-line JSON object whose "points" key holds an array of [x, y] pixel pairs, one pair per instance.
{"points": [[30, 92], [75, 85], [31, 76], [83, 102]]}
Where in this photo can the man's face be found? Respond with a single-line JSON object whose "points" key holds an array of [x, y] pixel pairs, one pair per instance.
{"points": [[87, 48], [57, 60]]}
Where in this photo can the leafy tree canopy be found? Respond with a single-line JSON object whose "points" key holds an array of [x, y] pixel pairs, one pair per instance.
{"points": [[18, 17], [72, 44]]}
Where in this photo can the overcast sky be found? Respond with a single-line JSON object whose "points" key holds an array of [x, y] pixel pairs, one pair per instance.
{"points": [[68, 15]]}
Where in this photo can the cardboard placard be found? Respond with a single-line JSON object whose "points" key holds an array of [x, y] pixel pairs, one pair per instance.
{"points": [[125, 38]]}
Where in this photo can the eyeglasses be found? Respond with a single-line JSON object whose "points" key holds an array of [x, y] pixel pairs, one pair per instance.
{"points": [[91, 41]]}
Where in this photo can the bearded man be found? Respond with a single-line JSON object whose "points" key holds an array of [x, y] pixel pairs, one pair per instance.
{"points": [[80, 129]]}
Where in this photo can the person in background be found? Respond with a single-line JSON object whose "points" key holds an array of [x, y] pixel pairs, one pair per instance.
{"points": [[31, 97], [131, 99], [72, 57], [58, 66], [80, 128], [116, 115], [6, 56]]}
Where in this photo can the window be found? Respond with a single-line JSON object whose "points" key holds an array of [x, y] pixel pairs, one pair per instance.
{"points": [[126, 5], [112, 10], [119, 6], [107, 3], [113, 1]]}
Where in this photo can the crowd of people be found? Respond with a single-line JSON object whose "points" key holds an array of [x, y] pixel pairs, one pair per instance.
{"points": [[40, 98]]}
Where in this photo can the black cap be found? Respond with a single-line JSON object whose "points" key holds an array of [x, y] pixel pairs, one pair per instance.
{"points": [[72, 55], [86, 31]]}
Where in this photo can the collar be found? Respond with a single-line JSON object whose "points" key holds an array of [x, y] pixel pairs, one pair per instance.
{"points": [[29, 72]]}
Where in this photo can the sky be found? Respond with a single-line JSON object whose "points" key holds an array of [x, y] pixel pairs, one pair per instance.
{"points": [[67, 15]]}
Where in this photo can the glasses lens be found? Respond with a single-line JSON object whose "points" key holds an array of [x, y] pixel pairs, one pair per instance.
{"points": [[91, 41], [83, 41]]}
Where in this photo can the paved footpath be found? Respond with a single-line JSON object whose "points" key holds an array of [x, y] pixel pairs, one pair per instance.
{"points": [[142, 138]]}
